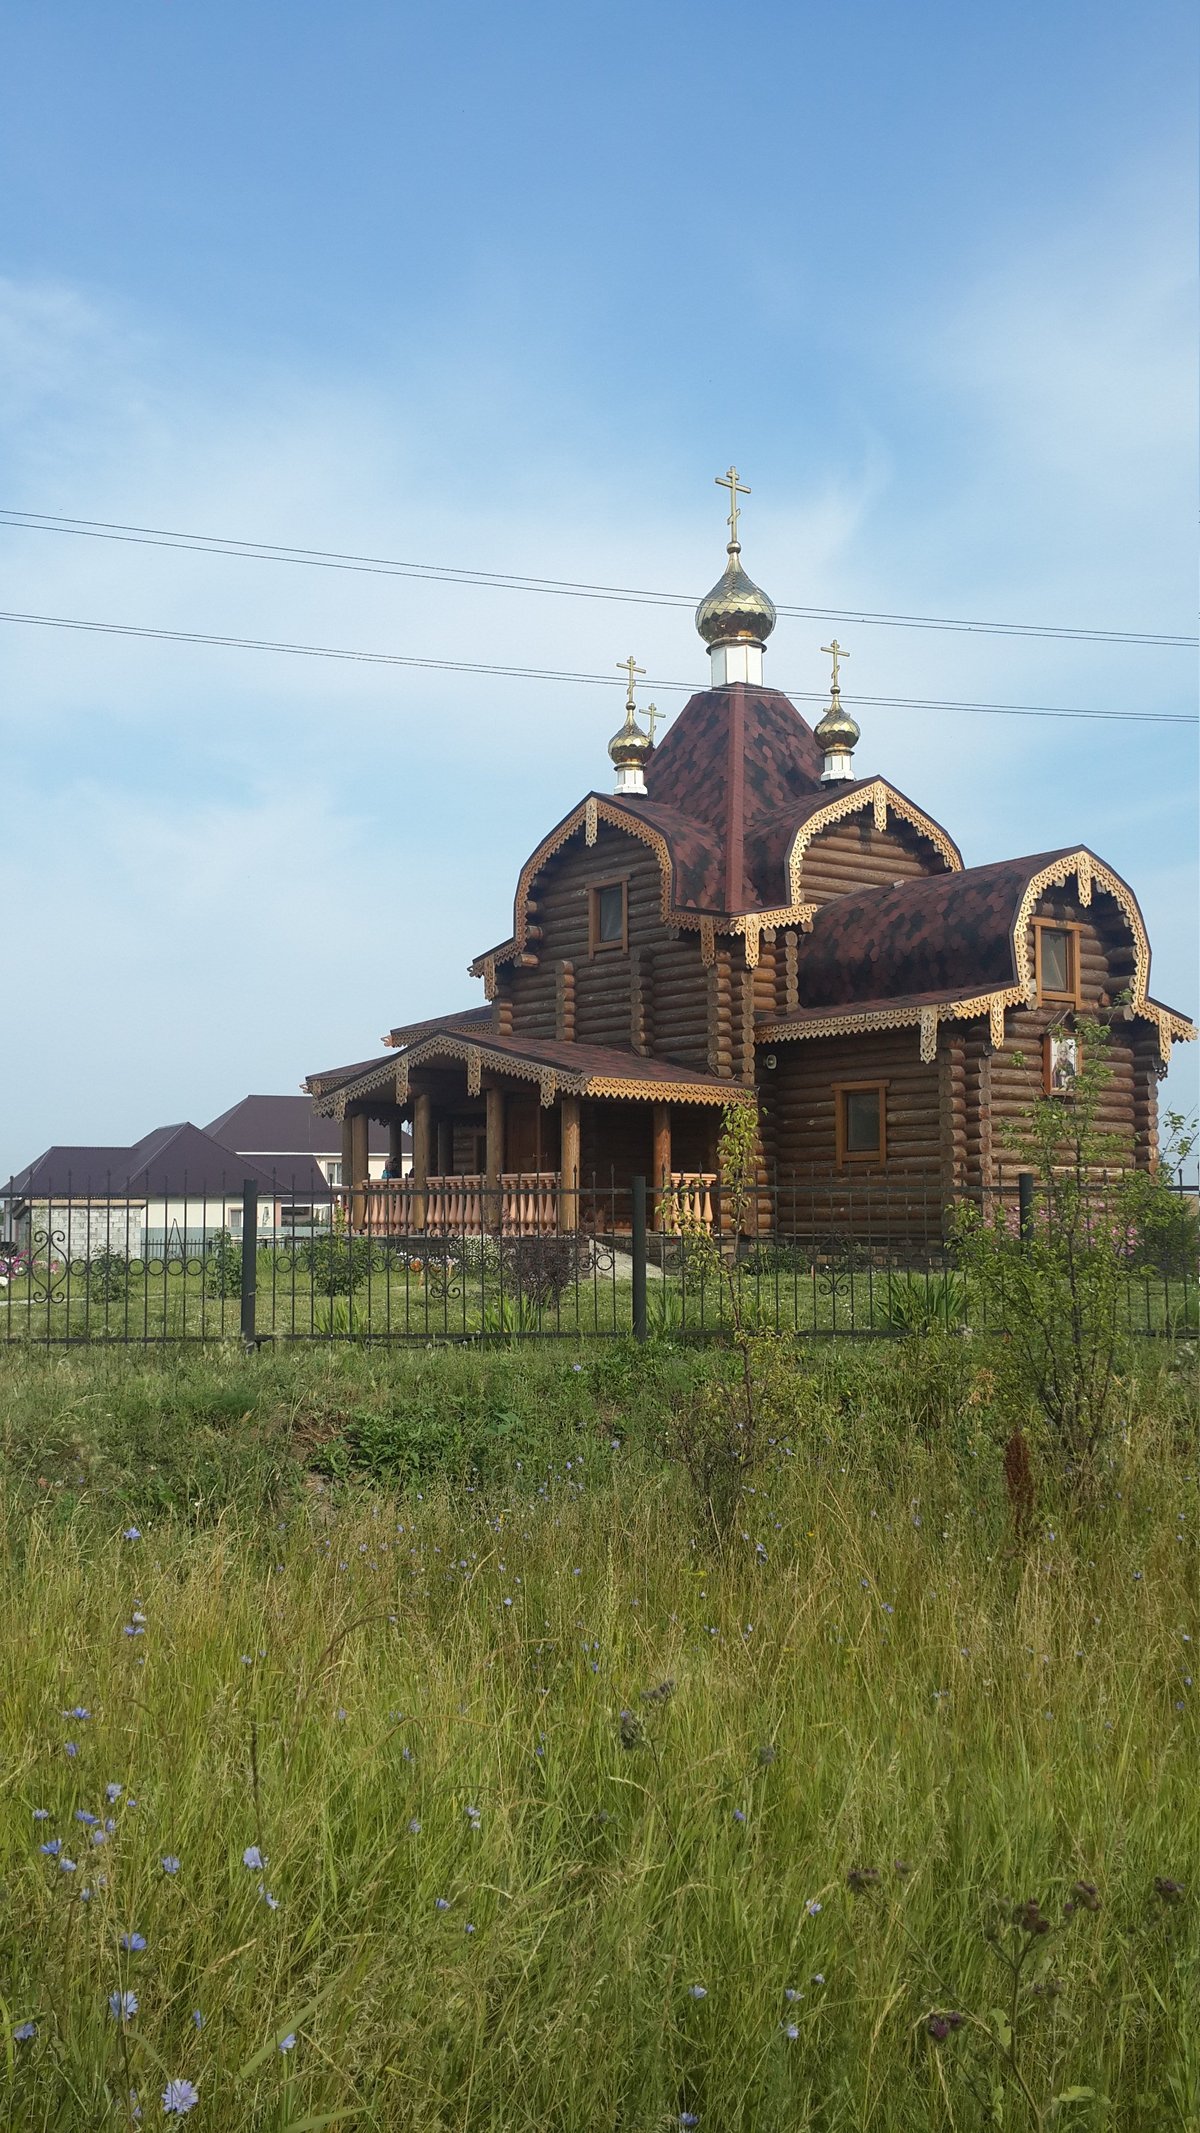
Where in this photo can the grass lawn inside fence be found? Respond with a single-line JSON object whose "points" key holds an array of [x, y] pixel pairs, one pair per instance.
{"points": [[566, 1819], [789, 1289]]}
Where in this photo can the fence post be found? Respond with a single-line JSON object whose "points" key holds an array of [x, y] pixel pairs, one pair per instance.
{"points": [[249, 1260], [638, 1242], [1025, 1205]]}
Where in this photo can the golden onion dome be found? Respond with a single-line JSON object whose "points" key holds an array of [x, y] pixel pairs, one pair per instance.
{"points": [[837, 730], [736, 611], [630, 745]]}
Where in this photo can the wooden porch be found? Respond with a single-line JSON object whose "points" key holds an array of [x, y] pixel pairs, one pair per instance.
{"points": [[535, 1203]]}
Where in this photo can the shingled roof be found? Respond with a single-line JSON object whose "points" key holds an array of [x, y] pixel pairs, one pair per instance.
{"points": [[172, 1162], [559, 1066], [273, 1126]]}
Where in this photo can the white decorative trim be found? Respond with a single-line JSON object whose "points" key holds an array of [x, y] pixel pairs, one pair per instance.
{"points": [[929, 1034], [591, 822], [880, 808]]}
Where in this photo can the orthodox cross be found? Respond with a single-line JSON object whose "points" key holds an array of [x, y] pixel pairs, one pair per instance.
{"points": [[836, 653], [653, 714], [729, 480], [629, 666]]}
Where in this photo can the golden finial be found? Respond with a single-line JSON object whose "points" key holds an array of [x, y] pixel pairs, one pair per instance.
{"points": [[729, 480], [837, 655], [629, 666]]}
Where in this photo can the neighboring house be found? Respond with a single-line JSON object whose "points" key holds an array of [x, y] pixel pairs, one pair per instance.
{"points": [[273, 1130], [746, 919], [165, 1196]]}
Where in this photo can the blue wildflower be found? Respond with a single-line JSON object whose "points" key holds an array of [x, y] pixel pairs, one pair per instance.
{"points": [[286, 2043], [170, 1865], [70, 1747], [197, 2018], [253, 1857], [66, 1866], [122, 2006], [179, 2096], [133, 1943], [77, 1711], [51, 1847], [24, 2032], [82, 1815], [414, 1828], [698, 1992], [131, 1533], [41, 1814], [791, 2030], [113, 1792], [812, 1907], [441, 1903]]}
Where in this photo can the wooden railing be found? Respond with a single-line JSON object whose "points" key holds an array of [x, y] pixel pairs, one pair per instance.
{"points": [[527, 1206], [686, 1201]]}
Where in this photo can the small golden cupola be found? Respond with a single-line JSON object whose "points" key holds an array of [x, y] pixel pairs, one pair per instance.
{"points": [[631, 748], [836, 732], [736, 618]]}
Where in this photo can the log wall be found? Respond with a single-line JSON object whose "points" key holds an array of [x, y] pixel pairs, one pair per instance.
{"points": [[853, 854], [651, 998]]}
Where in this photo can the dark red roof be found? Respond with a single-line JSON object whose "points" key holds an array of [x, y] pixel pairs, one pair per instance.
{"points": [[735, 759], [464, 1018], [946, 933]]}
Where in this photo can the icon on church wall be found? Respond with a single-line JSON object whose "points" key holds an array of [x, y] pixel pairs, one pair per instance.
{"points": [[1062, 1062]]}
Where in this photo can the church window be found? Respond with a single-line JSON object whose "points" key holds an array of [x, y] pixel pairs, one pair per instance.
{"points": [[1057, 962], [608, 916], [861, 1121]]}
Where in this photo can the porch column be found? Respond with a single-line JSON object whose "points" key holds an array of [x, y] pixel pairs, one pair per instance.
{"points": [[662, 1162], [445, 1144], [360, 1169], [494, 1158], [396, 1143], [568, 1218], [422, 1123]]}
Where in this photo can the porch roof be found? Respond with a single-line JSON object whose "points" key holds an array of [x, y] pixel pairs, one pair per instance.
{"points": [[559, 1069]]}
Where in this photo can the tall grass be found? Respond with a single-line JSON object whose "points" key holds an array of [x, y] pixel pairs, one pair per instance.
{"points": [[510, 1889]]}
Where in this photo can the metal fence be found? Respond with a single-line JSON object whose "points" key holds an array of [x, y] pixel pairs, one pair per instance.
{"points": [[459, 1260]]}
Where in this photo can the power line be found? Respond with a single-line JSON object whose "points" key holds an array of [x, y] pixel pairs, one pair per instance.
{"points": [[508, 581], [603, 681]]}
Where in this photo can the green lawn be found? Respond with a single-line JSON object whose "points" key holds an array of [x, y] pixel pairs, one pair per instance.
{"points": [[382, 1620]]}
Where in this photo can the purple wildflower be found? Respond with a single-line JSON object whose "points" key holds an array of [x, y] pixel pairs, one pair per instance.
{"points": [[133, 1943], [24, 2032], [286, 2043], [51, 1847], [179, 2096], [131, 1533], [253, 1857], [170, 1865], [122, 2006]]}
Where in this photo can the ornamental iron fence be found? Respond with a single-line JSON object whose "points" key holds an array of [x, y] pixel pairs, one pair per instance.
{"points": [[460, 1259]]}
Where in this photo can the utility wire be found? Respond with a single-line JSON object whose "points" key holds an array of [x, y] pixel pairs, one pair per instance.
{"points": [[603, 681], [499, 580]]}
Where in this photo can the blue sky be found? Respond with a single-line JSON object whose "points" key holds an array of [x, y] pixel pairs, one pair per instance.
{"points": [[507, 288]]}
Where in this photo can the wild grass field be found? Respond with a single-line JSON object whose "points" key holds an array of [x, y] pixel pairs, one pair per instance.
{"points": [[388, 1741]]}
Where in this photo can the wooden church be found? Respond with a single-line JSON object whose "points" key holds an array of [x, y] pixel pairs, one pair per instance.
{"points": [[744, 918]]}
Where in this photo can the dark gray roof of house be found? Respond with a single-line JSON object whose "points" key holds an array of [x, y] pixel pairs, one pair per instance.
{"points": [[272, 1126], [176, 1161]]}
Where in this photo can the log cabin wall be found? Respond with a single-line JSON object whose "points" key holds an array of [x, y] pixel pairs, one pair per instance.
{"points": [[853, 854], [1128, 1108], [652, 996], [903, 1197]]}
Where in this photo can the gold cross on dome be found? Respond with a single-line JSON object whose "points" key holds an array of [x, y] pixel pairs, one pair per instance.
{"points": [[653, 714], [836, 653], [729, 480], [629, 666]]}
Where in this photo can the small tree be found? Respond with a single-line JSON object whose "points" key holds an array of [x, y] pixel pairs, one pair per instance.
{"points": [[717, 1435], [1059, 1291], [223, 1265]]}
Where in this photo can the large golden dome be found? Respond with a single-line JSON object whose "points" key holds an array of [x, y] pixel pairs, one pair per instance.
{"points": [[736, 611], [631, 745]]}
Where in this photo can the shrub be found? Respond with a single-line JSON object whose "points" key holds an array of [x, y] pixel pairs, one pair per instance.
{"points": [[338, 1262], [223, 1265], [540, 1270], [921, 1303], [108, 1277]]}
